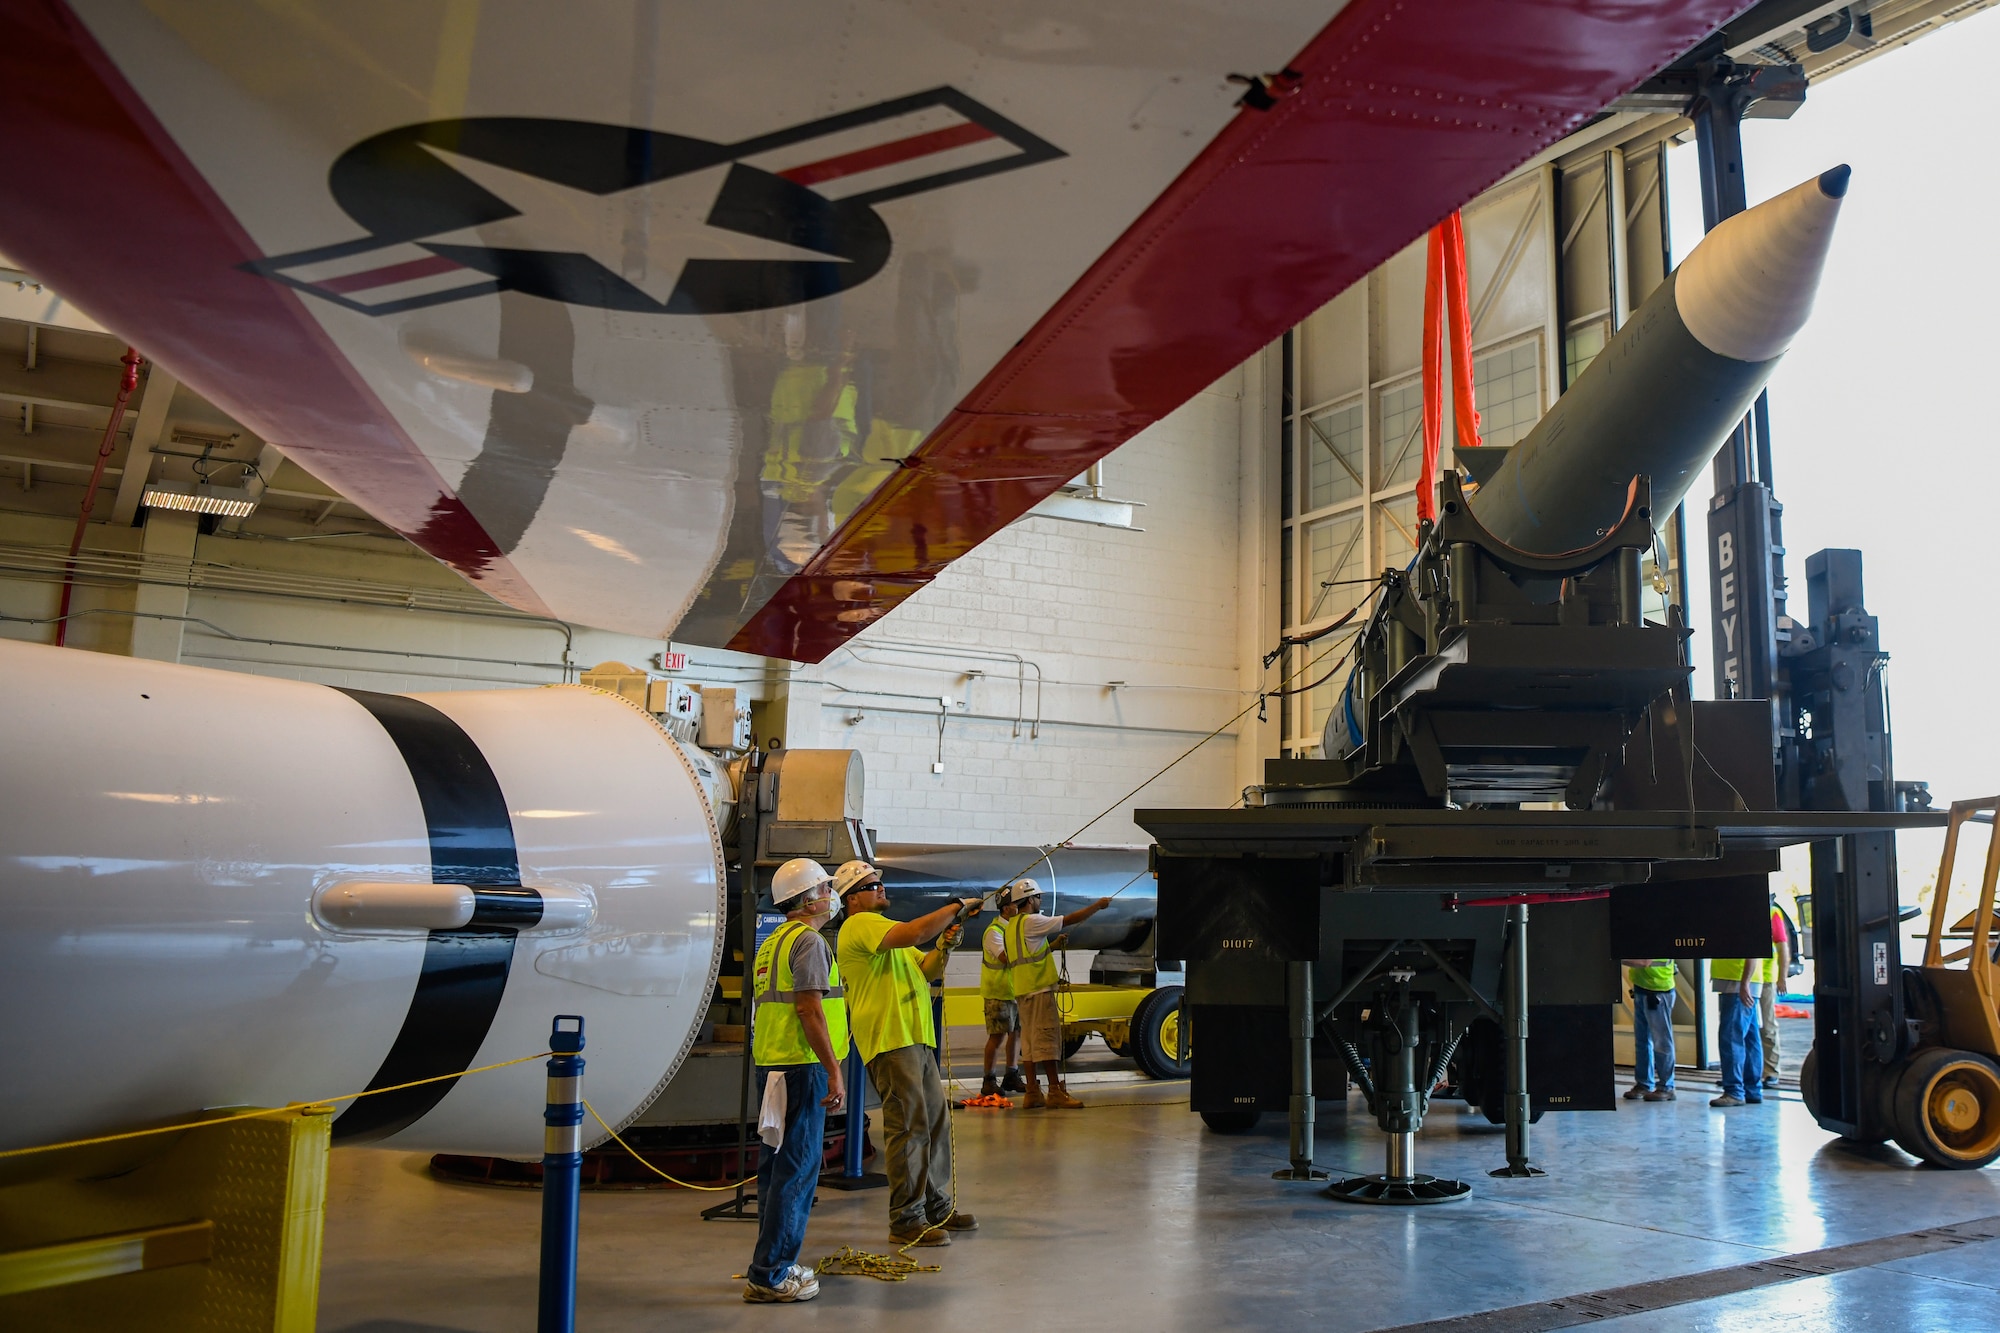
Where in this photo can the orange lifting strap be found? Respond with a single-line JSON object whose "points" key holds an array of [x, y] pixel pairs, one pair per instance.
{"points": [[1444, 292]]}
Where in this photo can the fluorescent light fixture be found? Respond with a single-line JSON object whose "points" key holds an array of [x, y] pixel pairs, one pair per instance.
{"points": [[202, 498]]}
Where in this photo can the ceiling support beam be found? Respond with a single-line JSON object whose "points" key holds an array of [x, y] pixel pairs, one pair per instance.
{"points": [[158, 396]]}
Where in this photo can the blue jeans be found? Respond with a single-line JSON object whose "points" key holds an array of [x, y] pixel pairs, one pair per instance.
{"points": [[1653, 1038], [787, 1177], [1742, 1047]]}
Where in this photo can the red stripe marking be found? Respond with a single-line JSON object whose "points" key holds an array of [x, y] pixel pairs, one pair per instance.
{"points": [[426, 267], [888, 154], [167, 271], [1405, 112]]}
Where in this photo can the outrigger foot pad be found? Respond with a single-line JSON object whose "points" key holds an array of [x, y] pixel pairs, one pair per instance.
{"points": [[1403, 1191]]}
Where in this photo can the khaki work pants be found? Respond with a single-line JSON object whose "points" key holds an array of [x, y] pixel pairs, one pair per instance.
{"points": [[916, 1134], [1767, 1027]]}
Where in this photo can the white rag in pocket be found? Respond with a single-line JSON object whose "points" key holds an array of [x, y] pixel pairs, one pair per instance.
{"points": [[771, 1120]]}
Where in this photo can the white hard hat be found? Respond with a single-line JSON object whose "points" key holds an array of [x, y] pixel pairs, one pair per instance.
{"points": [[797, 877], [851, 874], [1021, 890]]}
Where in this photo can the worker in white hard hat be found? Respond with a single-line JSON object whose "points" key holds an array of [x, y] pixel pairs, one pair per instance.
{"points": [[799, 1012], [1003, 1015], [1027, 952], [890, 1001]]}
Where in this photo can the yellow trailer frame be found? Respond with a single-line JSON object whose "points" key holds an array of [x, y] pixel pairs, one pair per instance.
{"points": [[1113, 1012]]}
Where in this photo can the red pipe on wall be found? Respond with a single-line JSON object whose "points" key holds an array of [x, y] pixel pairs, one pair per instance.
{"points": [[132, 361]]}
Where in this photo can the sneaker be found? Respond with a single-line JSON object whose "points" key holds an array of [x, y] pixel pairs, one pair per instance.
{"points": [[959, 1222], [1060, 1100], [990, 1088], [1013, 1083], [930, 1235], [1034, 1101], [1660, 1095], [800, 1284], [1635, 1092], [1726, 1100]]}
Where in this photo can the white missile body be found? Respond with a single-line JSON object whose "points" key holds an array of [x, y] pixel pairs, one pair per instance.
{"points": [[227, 890], [1672, 383]]}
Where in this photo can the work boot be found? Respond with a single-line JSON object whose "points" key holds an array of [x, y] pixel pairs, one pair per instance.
{"points": [[1770, 1080], [959, 1222], [1635, 1092], [1660, 1095], [1726, 1100], [989, 1088], [921, 1236], [1033, 1101], [1060, 1100], [1013, 1083]]}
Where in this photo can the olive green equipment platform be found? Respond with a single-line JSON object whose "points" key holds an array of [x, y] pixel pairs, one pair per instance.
{"points": [[215, 1228]]}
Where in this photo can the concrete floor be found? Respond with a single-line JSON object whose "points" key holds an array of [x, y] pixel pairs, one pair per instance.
{"points": [[1130, 1215]]}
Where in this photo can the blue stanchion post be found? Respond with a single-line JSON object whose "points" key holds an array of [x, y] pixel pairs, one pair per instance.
{"points": [[853, 1176], [562, 1175]]}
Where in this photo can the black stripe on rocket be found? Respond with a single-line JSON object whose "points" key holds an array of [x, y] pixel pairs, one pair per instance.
{"points": [[465, 970]]}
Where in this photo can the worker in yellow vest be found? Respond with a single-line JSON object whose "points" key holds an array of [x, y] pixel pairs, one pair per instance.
{"points": [[799, 1037], [1025, 939], [1003, 1015], [890, 1002], [1652, 1029], [1736, 982], [1767, 1003]]}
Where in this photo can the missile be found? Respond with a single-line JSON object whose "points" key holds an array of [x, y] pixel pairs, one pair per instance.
{"points": [[1671, 385], [233, 890]]}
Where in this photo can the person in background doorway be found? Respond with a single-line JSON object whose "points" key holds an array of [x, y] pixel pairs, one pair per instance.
{"points": [[1652, 1029], [1025, 940], [799, 1037], [889, 1001], [1767, 1003], [1003, 1015], [1736, 982]]}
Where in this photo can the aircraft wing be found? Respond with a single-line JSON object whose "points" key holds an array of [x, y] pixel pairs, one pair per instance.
{"points": [[740, 322]]}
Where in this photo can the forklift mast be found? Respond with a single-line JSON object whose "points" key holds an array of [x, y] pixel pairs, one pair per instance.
{"points": [[1830, 735]]}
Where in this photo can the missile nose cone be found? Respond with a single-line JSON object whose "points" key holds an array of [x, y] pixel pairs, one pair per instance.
{"points": [[1747, 289]]}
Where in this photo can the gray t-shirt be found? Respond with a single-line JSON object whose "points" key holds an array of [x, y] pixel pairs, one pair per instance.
{"points": [[812, 961]]}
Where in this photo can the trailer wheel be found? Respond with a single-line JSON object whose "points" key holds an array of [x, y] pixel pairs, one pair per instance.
{"points": [[1231, 1122], [1156, 1032], [1946, 1109], [1809, 1083], [1071, 1045]]}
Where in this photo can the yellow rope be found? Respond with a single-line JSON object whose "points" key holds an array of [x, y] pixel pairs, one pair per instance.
{"points": [[850, 1262], [707, 1189], [264, 1111]]}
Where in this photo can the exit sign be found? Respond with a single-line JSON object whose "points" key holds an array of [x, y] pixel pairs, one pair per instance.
{"points": [[672, 661]]}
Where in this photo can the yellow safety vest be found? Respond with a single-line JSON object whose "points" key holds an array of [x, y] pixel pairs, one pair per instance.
{"points": [[805, 449], [892, 997], [996, 980], [1731, 969], [1032, 971], [780, 1036], [1660, 978]]}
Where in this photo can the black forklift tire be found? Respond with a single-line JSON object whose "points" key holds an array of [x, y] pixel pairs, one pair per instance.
{"points": [[1158, 1017], [1947, 1109], [1809, 1083], [1231, 1122]]}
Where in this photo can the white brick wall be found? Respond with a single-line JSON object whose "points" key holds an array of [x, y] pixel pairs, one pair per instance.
{"points": [[1155, 609]]}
